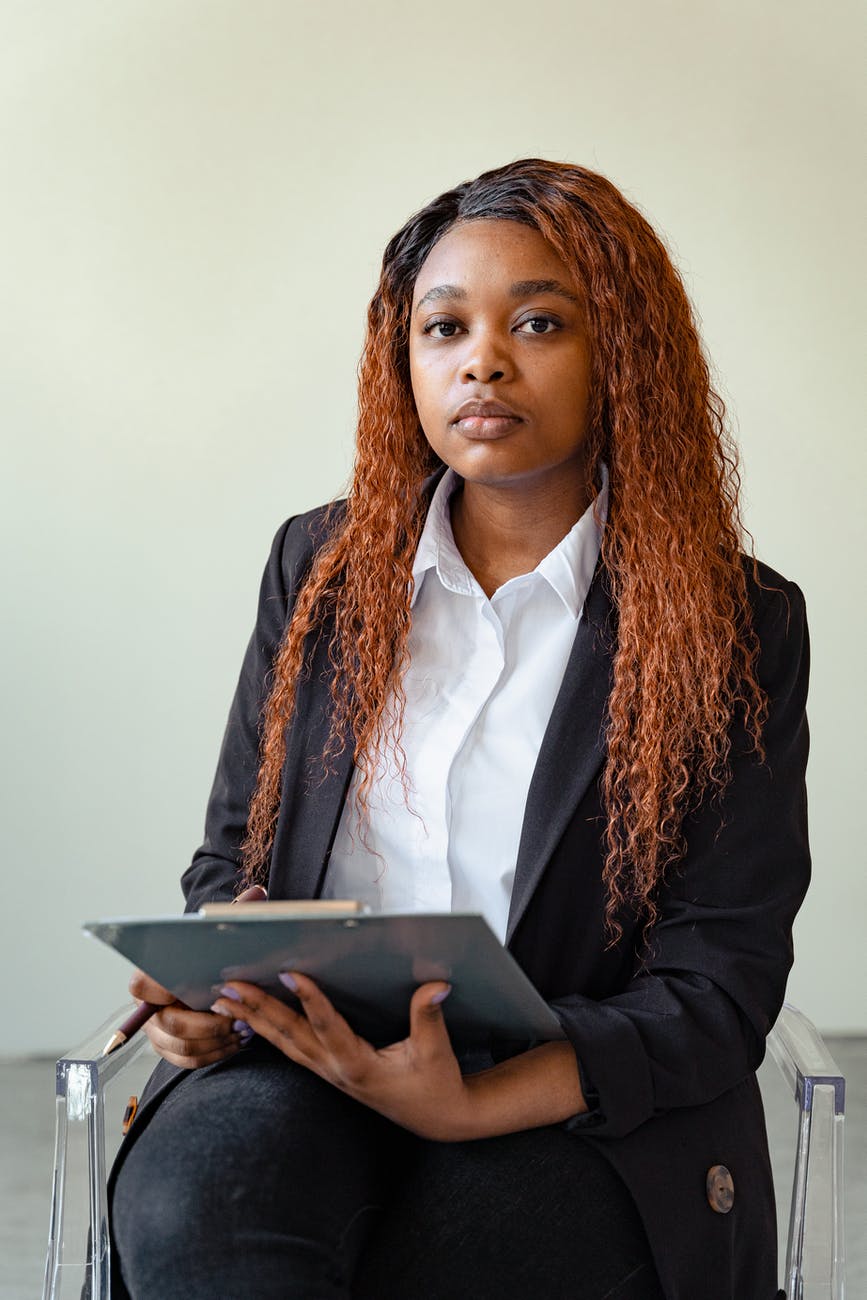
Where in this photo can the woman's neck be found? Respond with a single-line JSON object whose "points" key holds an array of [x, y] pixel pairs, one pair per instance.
{"points": [[502, 532]]}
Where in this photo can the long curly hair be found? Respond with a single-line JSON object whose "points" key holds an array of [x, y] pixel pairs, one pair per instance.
{"points": [[685, 656]]}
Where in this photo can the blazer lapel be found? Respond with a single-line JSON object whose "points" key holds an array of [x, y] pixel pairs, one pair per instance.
{"points": [[572, 748], [312, 798]]}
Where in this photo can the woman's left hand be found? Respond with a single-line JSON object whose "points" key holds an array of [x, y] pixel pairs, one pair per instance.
{"points": [[417, 1082]]}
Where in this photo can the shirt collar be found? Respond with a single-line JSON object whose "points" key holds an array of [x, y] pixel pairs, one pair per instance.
{"points": [[568, 569], [436, 547]]}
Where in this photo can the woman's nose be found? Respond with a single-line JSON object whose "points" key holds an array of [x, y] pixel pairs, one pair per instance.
{"points": [[483, 374], [487, 361]]}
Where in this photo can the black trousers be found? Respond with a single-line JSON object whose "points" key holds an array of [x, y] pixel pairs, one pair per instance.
{"points": [[255, 1180]]}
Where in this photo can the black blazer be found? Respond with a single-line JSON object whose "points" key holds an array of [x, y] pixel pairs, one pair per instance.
{"points": [[669, 1038]]}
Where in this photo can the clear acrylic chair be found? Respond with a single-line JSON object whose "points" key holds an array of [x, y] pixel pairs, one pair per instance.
{"points": [[93, 1092]]}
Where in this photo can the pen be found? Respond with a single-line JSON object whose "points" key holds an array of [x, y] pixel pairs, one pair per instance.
{"points": [[131, 1025], [144, 1010]]}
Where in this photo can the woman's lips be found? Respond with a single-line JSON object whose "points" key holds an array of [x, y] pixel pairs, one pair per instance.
{"points": [[481, 419], [484, 427]]}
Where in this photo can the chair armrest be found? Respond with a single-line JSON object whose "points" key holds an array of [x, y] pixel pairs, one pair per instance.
{"points": [[90, 1088], [89, 1051], [801, 1054], [815, 1257]]}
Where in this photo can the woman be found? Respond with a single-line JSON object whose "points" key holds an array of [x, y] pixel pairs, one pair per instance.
{"points": [[524, 670]]}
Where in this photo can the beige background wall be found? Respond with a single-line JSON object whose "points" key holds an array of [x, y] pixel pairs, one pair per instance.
{"points": [[195, 196]]}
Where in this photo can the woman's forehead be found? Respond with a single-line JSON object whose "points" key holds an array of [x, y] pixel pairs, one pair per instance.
{"points": [[488, 252]]}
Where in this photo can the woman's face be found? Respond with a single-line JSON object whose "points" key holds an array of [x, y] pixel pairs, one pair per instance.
{"points": [[499, 357]]}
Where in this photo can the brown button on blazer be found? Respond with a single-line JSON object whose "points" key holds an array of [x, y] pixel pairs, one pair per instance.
{"points": [[720, 1189]]}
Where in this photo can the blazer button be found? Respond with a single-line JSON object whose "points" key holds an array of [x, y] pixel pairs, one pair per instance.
{"points": [[720, 1189]]}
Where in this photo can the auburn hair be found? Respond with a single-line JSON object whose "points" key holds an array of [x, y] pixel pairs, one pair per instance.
{"points": [[684, 667]]}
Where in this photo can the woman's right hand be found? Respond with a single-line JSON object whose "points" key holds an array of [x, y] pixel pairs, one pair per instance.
{"points": [[181, 1036], [191, 1038]]}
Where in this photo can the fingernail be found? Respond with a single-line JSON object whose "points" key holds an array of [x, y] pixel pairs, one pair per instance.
{"points": [[227, 992], [440, 997], [219, 1011], [244, 1031], [287, 978]]}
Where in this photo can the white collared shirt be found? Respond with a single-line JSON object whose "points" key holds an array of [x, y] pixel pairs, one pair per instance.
{"points": [[482, 678]]}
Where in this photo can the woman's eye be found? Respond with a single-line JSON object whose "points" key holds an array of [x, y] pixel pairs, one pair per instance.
{"points": [[441, 329], [538, 325]]}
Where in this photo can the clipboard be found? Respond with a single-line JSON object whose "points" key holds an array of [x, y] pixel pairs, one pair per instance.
{"points": [[367, 964]]}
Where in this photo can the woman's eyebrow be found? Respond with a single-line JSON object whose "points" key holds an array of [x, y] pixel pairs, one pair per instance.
{"points": [[527, 288], [441, 291], [520, 289]]}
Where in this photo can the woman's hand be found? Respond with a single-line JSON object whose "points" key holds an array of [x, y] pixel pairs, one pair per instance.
{"points": [[191, 1038], [181, 1036], [417, 1083]]}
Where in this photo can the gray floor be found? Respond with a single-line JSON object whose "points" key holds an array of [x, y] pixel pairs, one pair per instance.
{"points": [[26, 1156]]}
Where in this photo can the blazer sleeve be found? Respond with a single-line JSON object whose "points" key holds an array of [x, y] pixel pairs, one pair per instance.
{"points": [[214, 872], [693, 1020]]}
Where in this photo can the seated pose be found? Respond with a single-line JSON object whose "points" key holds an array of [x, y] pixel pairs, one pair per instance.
{"points": [[525, 670]]}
